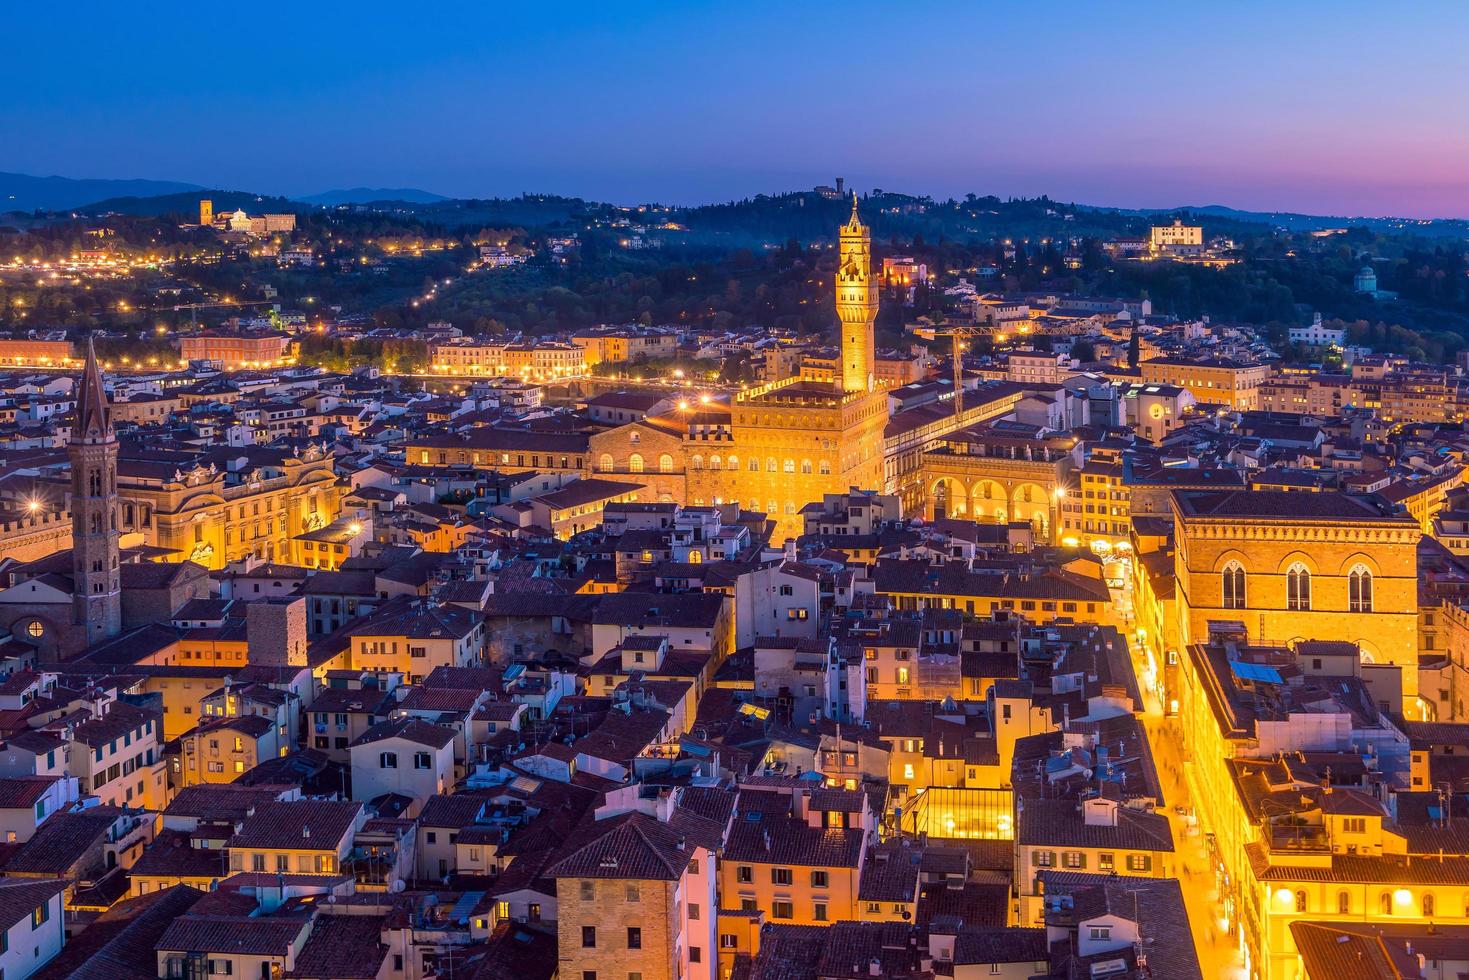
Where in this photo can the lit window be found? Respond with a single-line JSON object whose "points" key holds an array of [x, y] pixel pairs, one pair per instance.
{"points": [[1298, 588], [1359, 589], [1234, 586]]}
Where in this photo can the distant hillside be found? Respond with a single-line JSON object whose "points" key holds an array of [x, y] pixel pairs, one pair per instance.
{"points": [[372, 195], [22, 192], [186, 205]]}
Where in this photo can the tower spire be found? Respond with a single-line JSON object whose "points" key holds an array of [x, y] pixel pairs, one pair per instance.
{"points": [[855, 221], [96, 595], [93, 419]]}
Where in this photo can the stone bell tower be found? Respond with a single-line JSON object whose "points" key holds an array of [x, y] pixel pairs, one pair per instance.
{"points": [[856, 304], [96, 592]]}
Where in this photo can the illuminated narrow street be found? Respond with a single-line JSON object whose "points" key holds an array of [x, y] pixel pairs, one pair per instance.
{"points": [[1218, 956]]}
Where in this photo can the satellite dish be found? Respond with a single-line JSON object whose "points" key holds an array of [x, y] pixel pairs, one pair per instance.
{"points": [[397, 886]]}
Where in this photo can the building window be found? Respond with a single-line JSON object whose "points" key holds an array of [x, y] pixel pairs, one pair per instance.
{"points": [[387, 760], [744, 874], [1075, 860], [1140, 862], [818, 911], [634, 937], [819, 879], [589, 937], [1429, 907], [41, 915], [1344, 903], [665, 463], [587, 892], [605, 464], [1100, 933], [635, 463], [780, 910], [1384, 904], [780, 876], [1359, 589], [1300, 901], [1234, 586], [1298, 588]]}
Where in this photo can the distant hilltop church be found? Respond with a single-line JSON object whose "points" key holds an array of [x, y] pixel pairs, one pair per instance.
{"points": [[239, 221], [69, 601], [778, 446]]}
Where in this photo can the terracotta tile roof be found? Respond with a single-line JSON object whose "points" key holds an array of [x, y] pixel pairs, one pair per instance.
{"points": [[170, 854], [18, 899], [62, 841], [223, 801], [1059, 823], [342, 947], [890, 874], [299, 824], [458, 810], [23, 791], [631, 845], [119, 944], [409, 729], [257, 936]]}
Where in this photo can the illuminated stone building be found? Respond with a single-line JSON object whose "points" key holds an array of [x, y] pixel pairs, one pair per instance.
{"points": [[227, 504], [534, 361], [1001, 474], [1177, 237], [25, 352], [1292, 566], [60, 604], [232, 351], [1215, 380], [1302, 783], [782, 444]]}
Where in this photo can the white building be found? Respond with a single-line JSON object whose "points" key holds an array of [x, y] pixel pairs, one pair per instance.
{"points": [[405, 756]]}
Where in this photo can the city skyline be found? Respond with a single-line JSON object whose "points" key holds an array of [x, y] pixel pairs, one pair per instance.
{"points": [[1154, 107]]}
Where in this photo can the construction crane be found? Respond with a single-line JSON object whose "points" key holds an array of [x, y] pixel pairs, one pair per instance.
{"points": [[957, 336], [194, 308]]}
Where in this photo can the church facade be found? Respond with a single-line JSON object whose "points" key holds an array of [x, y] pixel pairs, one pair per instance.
{"points": [[67, 602], [778, 446]]}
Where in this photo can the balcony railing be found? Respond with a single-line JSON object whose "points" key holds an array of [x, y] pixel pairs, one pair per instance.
{"points": [[1298, 837]]}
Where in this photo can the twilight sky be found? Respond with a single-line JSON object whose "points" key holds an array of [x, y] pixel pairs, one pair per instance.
{"points": [[1331, 107]]}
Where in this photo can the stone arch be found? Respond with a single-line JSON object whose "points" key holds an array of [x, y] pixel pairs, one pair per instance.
{"points": [[947, 498], [1298, 556], [989, 500], [1360, 558], [1233, 554], [1030, 502]]}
